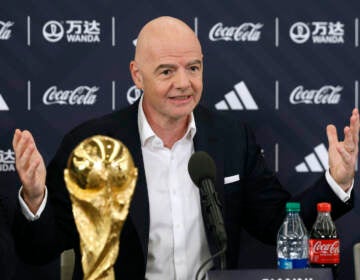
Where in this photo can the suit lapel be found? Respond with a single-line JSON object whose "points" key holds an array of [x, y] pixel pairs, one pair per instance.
{"points": [[127, 132], [209, 140]]}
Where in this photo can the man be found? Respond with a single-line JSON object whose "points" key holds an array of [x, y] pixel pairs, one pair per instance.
{"points": [[164, 236]]}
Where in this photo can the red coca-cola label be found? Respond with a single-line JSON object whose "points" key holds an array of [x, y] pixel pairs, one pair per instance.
{"points": [[324, 251]]}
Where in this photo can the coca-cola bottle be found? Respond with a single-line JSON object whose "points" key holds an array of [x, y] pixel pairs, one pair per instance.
{"points": [[324, 244]]}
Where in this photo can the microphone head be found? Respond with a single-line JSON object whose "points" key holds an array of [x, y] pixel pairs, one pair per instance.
{"points": [[201, 166]]}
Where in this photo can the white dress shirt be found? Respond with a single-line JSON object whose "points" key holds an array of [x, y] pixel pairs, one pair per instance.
{"points": [[177, 241]]}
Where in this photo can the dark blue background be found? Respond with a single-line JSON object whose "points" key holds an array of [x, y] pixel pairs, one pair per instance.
{"points": [[294, 129]]}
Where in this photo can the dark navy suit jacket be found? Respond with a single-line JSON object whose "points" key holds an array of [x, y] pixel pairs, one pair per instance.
{"points": [[255, 203], [7, 252]]}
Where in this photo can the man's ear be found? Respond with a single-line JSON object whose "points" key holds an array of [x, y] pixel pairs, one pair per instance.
{"points": [[136, 75]]}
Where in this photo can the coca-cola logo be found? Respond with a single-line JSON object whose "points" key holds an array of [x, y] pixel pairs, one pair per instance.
{"points": [[247, 31], [325, 95], [5, 31], [331, 248], [82, 95]]}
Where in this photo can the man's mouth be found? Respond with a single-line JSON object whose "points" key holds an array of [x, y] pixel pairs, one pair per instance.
{"points": [[181, 97]]}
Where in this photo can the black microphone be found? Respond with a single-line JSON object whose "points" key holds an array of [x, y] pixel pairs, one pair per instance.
{"points": [[202, 171]]}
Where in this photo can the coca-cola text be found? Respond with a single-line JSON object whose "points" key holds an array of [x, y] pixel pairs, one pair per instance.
{"points": [[324, 250], [245, 32], [5, 31], [82, 95], [325, 95]]}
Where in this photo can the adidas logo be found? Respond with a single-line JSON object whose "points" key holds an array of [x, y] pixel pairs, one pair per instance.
{"points": [[3, 105], [238, 99], [318, 161]]}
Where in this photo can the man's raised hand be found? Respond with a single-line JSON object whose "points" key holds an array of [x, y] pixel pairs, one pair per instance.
{"points": [[30, 167]]}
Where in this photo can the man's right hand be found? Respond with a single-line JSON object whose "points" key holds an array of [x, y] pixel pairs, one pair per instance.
{"points": [[31, 169]]}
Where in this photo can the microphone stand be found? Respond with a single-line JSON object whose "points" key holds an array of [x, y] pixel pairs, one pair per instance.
{"points": [[220, 253]]}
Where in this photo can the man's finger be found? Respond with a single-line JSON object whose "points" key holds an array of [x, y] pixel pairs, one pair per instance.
{"points": [[21, 146], [24, 161], [16, 138], [332, 134], [355, 125], [33, 168], [345, 155], [25, 140], [348, 140]]}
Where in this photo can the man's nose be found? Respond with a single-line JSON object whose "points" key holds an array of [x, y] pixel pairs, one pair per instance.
{"points": [[182, 80]]}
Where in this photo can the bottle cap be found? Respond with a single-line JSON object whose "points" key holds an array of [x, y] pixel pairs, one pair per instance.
{"points": [[324, 207], [292, 207]]}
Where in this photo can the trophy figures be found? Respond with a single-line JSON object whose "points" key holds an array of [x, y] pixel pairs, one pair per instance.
{"points": [[100, 177]]}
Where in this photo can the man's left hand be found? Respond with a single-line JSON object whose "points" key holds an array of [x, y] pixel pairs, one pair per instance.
{"points": [[343, 154]]}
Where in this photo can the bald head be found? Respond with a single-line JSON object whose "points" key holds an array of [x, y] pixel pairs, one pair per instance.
{"points": [[164, 33], [168, 67]]}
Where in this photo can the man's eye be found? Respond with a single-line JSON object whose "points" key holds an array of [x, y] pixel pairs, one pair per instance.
{"points": [[166, 72], [194, 68]]}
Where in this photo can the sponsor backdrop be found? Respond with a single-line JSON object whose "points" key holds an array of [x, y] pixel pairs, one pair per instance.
{"points": [[287, 67]]}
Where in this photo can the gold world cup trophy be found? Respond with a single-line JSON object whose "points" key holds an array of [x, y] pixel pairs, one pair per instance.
{"points": [[100, 177]]}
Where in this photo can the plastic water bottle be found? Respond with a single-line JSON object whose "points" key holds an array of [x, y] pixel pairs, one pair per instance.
{"points": [[292, 240]]}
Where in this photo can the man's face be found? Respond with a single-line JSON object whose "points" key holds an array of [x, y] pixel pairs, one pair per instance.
{"points": [[171, 78]]}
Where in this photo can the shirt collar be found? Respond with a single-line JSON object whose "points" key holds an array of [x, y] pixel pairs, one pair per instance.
{"points": [[146, 132]]}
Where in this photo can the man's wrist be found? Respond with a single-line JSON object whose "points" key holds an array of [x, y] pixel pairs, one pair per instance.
{"points": [[32, 201], [338, 190], [25, 208]]}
